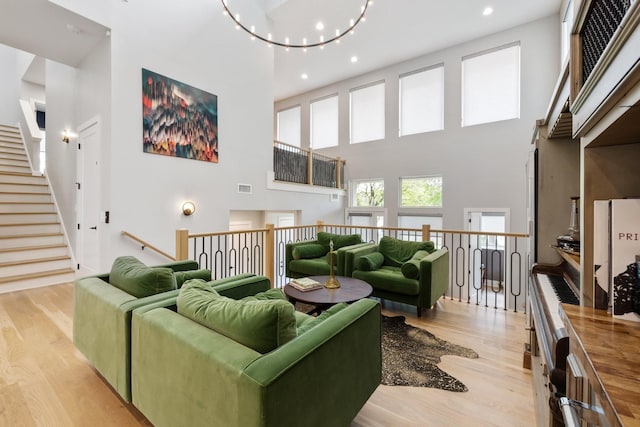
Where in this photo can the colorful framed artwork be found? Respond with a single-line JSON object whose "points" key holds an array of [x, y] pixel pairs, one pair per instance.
{"points": [[178, 120]]}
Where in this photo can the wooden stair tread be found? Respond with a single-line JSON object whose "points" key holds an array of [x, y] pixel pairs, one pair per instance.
{"points": [[26, 203], [36, 275], [27, 183], [18, 236], [20, 174], [22, 224], [22, 193], [25, 160], [33, 248], [28, 213], [35, 261], [12, 152]]}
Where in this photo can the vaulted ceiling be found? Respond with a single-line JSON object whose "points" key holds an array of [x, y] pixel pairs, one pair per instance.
{"points": [[394, 30]]}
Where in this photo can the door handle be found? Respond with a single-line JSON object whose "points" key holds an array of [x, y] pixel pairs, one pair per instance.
{"points": [[95, 227]]}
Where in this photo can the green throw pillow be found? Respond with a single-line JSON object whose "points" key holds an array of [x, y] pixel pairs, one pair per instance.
{"points": [[339, 240], [271, 294], [321, 317], [396, 252], [370, 262], [135, 278], [307, 251], [411, 268], [183, 276], [261, 325]]}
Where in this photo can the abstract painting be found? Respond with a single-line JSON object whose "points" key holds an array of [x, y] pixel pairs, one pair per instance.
{"points": [[178, 120]]}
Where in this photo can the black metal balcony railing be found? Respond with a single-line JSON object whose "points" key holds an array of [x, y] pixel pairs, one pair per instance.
{"points": [[602, 21], [489, 269], [230, 253], [297, 165]]}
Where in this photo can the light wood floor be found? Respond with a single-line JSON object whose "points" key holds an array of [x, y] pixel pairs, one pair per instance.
{"points": [[45, 381]]}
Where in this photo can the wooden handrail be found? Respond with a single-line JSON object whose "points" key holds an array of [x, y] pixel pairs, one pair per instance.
{"points": [[227, 233], [147, 245], [433, 230]]}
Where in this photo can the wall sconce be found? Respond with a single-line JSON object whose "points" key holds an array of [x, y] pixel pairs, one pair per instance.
{"points": [[67, 135], [188, 208]]}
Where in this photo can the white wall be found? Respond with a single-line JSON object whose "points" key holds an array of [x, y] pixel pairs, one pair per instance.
{"points": [[93, 101], [9, 86], [61, 83], [196, 44], [192, 42], [32, 92], [483, 166]]}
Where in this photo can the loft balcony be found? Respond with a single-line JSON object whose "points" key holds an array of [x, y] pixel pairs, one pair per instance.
{"points": [[297, 165]]}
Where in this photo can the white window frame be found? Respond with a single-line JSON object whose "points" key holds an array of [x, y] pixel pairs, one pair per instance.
{"points": [[485, 86], [323, 128], [421, 101], [401, 206], [376, 216], [296, 134], [352, 191], [567, 27], [370, 112]]}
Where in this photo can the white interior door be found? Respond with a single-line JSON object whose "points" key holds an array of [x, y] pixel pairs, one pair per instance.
{"points": [[367, 217], [88, 200]]}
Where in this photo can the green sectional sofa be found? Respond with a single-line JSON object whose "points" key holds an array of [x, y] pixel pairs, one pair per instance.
{"points": [[103, 305], [408, 272], [311, 371], [311, 257]]}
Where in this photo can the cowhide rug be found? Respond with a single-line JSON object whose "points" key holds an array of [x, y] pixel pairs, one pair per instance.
{"points": [[410, 356]]}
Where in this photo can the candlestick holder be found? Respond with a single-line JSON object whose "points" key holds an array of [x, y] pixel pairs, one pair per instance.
{"points": [[331, 282]]}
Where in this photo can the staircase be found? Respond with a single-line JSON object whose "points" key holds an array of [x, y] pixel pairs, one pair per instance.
{"points": [[33, 251]]}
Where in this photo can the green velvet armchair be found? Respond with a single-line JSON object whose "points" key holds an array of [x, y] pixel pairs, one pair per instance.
{"points": [[311, 257], [412, 273], [188, 374], [102, 312]]}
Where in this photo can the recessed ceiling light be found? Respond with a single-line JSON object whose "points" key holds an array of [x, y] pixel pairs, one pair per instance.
{"points": [[354, 59], [319, 26], [487, 11], [73, 29], [304, 76]]}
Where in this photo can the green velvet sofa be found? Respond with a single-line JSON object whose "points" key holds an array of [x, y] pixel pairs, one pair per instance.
{"points": [[189, 374], [412, 273], [311, 257], [102, 312]]}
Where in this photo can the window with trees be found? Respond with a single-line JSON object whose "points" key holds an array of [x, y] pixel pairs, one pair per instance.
{"points": [[288, 126], [367, 193], [421, 191], [422, 101]]}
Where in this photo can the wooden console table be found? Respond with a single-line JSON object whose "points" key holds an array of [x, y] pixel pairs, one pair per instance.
{"points": [[607, 350]]}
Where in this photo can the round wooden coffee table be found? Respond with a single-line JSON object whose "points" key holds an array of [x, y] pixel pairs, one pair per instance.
{"points": [[350, 290]]}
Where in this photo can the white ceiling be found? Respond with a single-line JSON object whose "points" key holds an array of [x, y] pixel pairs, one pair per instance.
{"points": [[45, 29], [394, 30]]}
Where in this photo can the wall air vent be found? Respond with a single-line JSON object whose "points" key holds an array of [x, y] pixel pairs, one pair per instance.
{"points": [[245, 188]]}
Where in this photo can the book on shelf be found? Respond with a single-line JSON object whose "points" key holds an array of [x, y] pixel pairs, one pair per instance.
{"points": [[305, 284], [616, 256]]}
